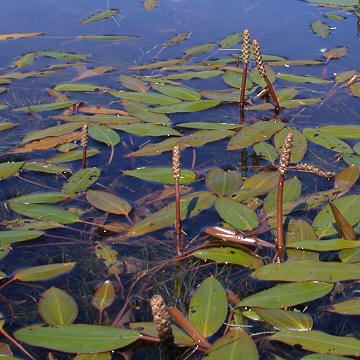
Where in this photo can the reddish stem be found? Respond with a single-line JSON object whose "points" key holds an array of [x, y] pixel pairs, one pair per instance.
{"points": [[84, 157], [243, 86], [273, 94], [280, 243], [14, 342], [178, 225]]}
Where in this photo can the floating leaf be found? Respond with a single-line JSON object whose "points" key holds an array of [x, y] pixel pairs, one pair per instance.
{"points": [[195, 139], [108, 202], [301, 79], [96, 356], [334, 2], [230, 40], [142, 129], [355, 89], [200, 49], [207, 74], [45, 107], [61, 55], [285, 295], [43, 272], [334, 17], [234, 345], [234, 79], [13, 236], [204, 125], [346, 231], [104, 296], [236, 214], [324, 220], [189, 106], [325, 245], [51, 197], [146, 98], [223, 182], [104, 134], [150, 4], [46, 168], [327, 141], [57, 307], [299, 147], [286, 320], [323, 357], [19, 35], [266, 151], [6, 126], [44, 212], [106, 37], [24, 75], [320, 28], [80, 87], [308, 270], [25, 60], [229, 255], [252, 134], [299, 231], [320, 342], [81, 180], [208, 307], [347, 307], [101, 15], [190, 205], [179, 92], [161, 175], [221, 95], [73, 155], [10, 168], [133, 83], [77, 338], [342, 131], [51, 131], [159, 64], [347, 178], [336, 53]]}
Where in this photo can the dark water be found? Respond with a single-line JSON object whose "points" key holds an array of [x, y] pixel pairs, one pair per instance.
{"points": [[282, 27]]}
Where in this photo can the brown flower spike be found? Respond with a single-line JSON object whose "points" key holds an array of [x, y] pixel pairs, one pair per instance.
{"points": [[84, 144], [245, 59]]}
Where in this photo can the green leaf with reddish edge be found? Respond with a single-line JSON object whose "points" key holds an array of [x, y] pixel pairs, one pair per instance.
{"points": [[230, 40], [208, 307], [320, 342], [133, 83], [108, 202], [286, 319], [234, 345], [43, 272], [309, 270], [229, 255], [222, 182], [161, 175], [146, 98], [190, 205], [285, 295], [57, 307], [252, 134], [200, 49], [100, 15], [77, 338], [347, 178]]}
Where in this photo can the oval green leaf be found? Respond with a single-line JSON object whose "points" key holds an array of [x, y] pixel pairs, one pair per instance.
{"points": [[10, 168], [57, 307], [104, 134], [223, 182], [208, 307], [104, 296], [108, 202], [81, 180]]}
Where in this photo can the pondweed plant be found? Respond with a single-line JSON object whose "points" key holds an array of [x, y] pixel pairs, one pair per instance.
{"points": [[284, 251]]}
